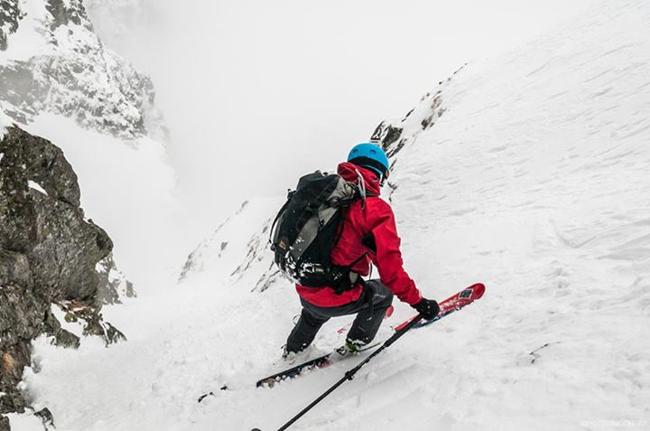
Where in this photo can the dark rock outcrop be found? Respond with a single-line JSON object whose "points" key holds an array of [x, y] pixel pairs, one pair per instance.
{"points": [[63, 13], [48, 257]]}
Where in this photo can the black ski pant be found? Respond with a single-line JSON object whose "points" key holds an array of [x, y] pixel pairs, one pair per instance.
{"points": [[370, 309]]}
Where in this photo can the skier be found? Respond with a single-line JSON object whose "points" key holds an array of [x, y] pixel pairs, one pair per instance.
{"points": [[368, 235]]}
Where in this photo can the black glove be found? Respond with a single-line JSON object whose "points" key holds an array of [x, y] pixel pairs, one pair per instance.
{"points": [[428, 308]]}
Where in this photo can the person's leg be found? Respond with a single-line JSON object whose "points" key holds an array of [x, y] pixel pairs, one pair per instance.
{"points": [[377, 300], [305, 330]]}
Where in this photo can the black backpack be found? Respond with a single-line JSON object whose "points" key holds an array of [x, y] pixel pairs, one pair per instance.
{"points": [[307, 228]]}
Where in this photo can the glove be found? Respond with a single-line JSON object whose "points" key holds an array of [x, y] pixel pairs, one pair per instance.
{"points": [[428, 308]]}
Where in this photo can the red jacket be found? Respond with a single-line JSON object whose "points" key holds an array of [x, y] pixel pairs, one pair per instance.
{"points": [[375, 218]]}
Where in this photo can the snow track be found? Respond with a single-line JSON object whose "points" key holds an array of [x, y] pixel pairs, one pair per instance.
{"points": [[534, 181]]}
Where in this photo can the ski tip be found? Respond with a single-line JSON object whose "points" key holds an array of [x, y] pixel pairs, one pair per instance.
{"points": [[256, 429], [478, 290]]}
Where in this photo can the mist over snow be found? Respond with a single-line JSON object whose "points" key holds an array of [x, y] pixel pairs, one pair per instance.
{"points": [[256, 93], [526, 170]]}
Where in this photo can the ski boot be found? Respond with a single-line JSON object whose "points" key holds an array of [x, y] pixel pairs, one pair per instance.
{"points": [[352, 347]]}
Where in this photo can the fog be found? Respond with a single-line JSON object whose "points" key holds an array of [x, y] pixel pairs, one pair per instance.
{"points": [[255, 93]]}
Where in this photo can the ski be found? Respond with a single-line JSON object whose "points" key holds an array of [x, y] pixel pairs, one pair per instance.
{"points": [[448, 306], [320, 362]]}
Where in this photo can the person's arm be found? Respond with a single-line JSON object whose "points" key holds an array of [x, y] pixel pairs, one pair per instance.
{"points": [[387, 256]]}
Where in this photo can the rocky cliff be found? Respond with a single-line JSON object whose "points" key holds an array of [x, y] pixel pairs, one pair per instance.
{"points": [[50, 254]]}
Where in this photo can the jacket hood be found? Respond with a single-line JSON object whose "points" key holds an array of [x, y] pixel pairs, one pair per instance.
{"points": [[349, 171]]}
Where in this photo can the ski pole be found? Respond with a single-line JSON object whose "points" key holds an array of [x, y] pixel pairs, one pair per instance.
{"points": [[350, 374]]}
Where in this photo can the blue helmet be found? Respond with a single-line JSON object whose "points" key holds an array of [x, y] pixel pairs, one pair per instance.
{"points": [[370, 156]]}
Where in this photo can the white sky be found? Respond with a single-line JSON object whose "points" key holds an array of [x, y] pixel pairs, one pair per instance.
{"points": [[257, 92]]}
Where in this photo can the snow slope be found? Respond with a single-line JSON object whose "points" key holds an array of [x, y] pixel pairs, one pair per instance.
{"points": [[227, 257], [533, 180]]}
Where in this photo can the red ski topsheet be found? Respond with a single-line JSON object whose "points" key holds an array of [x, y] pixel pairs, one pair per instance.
{"points": [[451, 304]]}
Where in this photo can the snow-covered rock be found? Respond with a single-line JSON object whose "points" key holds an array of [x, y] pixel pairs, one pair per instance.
{"points": [[52, 61], [114, 285]]}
